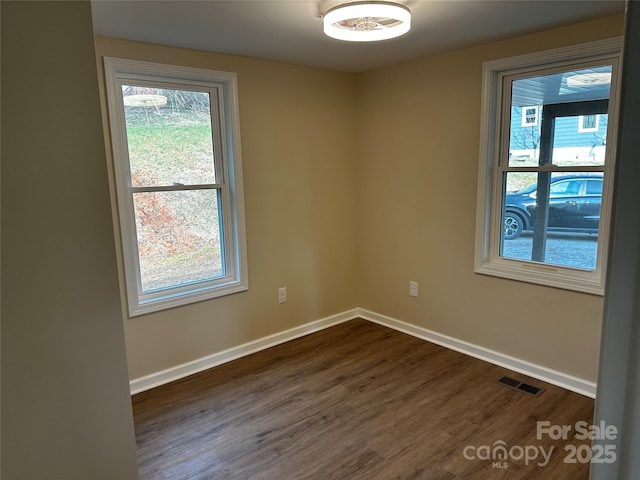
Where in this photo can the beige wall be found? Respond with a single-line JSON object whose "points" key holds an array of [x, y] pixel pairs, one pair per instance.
{"points": [[418, 128], [66, 411], [297, 127]]}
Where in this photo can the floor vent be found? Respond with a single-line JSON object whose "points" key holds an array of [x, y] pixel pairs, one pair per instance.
{"points": [[520, 386]]}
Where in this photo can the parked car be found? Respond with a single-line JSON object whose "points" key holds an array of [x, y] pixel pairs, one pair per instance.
{"points": [[574, 205]]}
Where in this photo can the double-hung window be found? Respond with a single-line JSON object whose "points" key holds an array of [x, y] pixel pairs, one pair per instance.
{"points": [[178, 176], [529, 116], [588, 123], [545, 183]]}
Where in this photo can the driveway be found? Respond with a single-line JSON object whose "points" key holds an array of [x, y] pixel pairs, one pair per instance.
{"points": [[570, 250]]}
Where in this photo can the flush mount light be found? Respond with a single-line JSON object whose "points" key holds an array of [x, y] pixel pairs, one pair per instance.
{"points": [[367, 21], [589, 79]]}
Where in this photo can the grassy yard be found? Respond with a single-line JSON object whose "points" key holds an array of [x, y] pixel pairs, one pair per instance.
{"points": [[178, 232]]}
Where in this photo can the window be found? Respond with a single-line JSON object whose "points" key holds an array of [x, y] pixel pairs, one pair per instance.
{"points": [[544, 193], [176, 153], [588, 123], [594, 187], [530, 116]]}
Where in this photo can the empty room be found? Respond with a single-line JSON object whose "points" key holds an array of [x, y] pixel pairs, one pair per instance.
{"points": [[319, 240]]}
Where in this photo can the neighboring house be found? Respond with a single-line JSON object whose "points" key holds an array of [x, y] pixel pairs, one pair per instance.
{"points": [[575, 138]]}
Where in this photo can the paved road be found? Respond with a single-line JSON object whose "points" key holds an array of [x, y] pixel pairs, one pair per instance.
{"points": [[571, 250]]}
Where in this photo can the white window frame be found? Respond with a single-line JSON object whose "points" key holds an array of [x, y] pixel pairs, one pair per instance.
{"points": [[524, 116], [224, 89], [583, 129], [493, 141]]}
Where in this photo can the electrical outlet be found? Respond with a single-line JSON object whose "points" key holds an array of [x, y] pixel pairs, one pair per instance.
{"points": [[282, 295], [413, 289]]}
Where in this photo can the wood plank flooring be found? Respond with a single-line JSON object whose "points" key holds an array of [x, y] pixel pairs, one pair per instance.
{"points": [[357, 401]]}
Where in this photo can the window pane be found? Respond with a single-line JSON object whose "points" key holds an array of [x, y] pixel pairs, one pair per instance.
{"points": [[524, 148], [169, 136], [570, 238], [578, 134], [594, 187], [178, 237], [529, 116], [589, 122], [573, 146]]}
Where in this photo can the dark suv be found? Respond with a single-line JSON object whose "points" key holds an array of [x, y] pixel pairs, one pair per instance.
{"points": [[574, 205]]}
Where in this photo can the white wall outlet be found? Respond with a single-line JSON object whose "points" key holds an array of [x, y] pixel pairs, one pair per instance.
{"points": [[413, 289], [282, 295]]}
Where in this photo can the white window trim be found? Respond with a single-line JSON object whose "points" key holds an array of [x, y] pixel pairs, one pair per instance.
{"points": [[581, 127], [524, 116], [488, 215], [225, 83]]}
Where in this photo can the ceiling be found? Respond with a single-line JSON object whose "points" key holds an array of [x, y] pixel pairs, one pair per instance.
{"points": [[291, 30], [554, 88]]}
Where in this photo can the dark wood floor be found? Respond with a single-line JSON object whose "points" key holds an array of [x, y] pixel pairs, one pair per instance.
{"points": [[356, 401]]}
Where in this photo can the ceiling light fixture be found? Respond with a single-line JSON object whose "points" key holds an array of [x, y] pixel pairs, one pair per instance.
{"points": [[589, 79], [367, 21]]}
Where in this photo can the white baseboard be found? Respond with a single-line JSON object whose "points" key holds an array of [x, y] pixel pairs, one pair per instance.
{"points": [[569, 382], [554, 377], [141, 384]]}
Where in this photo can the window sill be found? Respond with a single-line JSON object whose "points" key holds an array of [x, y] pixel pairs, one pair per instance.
{"points": [[584, 281], [144, 307]]}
